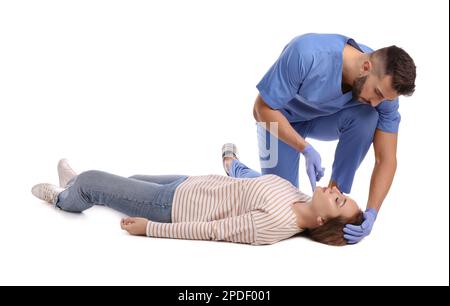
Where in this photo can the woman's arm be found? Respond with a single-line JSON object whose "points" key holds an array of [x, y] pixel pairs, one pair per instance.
{"points": [[234, 229]]}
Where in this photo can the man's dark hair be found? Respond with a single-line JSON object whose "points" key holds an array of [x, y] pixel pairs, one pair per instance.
{"points": [[394, 61]]}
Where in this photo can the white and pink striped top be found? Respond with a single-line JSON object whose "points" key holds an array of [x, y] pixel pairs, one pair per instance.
{"points": [[247, 210]]}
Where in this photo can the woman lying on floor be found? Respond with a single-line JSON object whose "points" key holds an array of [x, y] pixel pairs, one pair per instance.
{"points": [[258, 210]]}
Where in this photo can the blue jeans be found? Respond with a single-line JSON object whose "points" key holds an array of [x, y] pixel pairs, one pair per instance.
{"points": [[147, 196], [353, 126]]}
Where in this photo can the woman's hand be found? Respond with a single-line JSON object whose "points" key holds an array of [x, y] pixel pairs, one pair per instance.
{"points": [[134, 226]]}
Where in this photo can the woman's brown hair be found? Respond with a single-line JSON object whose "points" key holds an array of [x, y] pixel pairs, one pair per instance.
{"points": [[332, 231]]}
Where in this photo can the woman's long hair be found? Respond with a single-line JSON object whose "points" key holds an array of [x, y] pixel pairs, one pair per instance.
{"points": [[331, 232]]}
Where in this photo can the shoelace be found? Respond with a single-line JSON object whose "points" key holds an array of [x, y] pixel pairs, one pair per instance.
{"points": [[48, 194]]}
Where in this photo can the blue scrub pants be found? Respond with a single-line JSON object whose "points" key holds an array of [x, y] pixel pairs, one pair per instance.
{"points": [[353, 126]]}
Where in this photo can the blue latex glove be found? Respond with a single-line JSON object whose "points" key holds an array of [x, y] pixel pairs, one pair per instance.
{"points": [[355, 233], [313, 165]]}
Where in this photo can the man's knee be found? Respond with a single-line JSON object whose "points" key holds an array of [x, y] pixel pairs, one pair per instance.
{"points": [[365, 119]]}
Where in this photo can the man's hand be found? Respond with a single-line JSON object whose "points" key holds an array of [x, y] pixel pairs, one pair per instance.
{"points": [[313, 165], [134, 226], [355, 233]]}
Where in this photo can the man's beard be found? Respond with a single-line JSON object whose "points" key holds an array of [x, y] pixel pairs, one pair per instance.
{"points": [[358, 84]]}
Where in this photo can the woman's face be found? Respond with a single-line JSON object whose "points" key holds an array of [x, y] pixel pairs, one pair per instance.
{"points": [[329, 203]]}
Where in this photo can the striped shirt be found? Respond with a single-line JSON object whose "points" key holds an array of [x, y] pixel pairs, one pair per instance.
{"points": [[246, 210]]}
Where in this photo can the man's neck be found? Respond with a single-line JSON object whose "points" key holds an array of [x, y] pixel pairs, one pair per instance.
{"points": [[352, 59]]}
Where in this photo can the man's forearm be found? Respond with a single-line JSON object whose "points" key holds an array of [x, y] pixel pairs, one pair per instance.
{"points": [[285, 131], [380, 183]]}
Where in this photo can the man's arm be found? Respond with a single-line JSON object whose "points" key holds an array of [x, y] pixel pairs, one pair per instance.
{"points": [[263, 113], [385, 148]]}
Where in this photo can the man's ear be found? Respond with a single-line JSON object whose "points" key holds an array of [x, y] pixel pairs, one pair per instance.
{"points": [[366, 67], [320, 221]]}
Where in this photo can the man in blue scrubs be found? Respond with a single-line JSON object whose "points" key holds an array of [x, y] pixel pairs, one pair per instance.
{"points": [[328, 87]]}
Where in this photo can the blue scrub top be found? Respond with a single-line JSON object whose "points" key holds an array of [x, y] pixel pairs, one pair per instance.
{"points": [[305, 81]]}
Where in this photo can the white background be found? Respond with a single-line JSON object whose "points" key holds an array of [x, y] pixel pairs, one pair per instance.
{"points": [[156, 87]]}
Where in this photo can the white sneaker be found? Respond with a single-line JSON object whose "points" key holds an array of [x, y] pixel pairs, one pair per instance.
{"points": [[46, 192], [65, 172], [228, 150]]}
